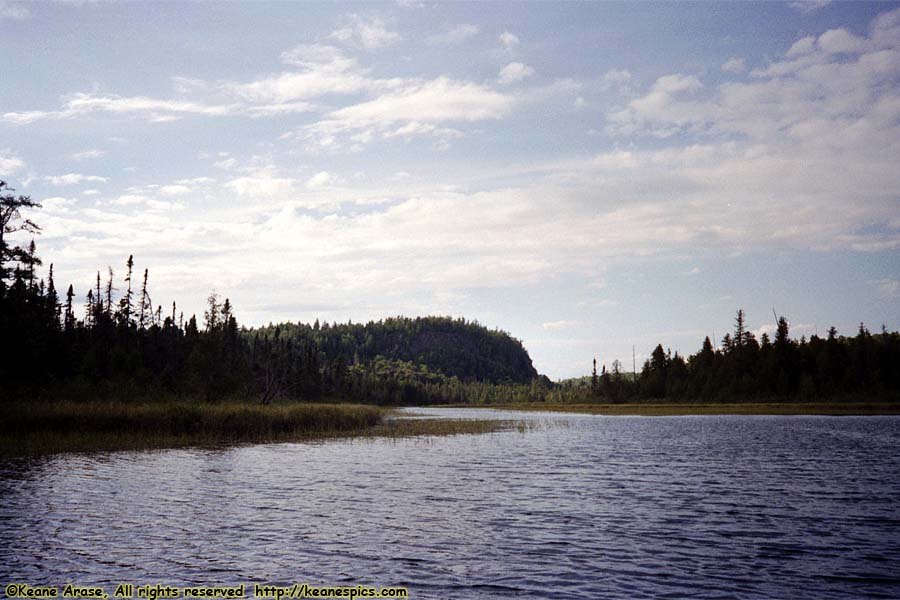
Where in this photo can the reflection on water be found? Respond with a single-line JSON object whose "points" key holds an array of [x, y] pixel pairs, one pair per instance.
{"points": [[637, 507]]}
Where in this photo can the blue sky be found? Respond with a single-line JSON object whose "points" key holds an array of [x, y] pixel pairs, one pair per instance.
{"points": [[586, 176]]}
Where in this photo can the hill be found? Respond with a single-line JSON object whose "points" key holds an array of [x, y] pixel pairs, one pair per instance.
{"points": [[454, 347]]}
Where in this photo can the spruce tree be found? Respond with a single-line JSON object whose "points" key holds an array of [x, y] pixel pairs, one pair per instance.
{"points": [[12, 221]]}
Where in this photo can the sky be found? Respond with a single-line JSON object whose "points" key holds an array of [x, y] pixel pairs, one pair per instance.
{"points": [[590, 177]]}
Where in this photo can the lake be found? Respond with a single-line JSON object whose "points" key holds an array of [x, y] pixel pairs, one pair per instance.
{"points": [[572, 506]]}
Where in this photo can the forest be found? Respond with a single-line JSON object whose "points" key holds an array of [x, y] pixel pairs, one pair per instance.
{"points": [[114, 342]]}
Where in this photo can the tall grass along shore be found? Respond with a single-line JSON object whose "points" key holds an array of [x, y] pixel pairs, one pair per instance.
{"points": [[51, 427], [48, 427]]}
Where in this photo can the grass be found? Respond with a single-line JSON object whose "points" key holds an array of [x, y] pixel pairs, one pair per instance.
{"points": [[743, 408], [50, 427], [401, 427], [47, 428], [40, 428]]}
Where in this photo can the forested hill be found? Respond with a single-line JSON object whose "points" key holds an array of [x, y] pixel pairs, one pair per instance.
{"points": [[455, 347]]}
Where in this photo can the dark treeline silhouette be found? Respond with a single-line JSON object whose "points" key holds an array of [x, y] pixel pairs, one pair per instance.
{"points": [[863, 365], [455, 347], [117, 343], [114, 344], [393, 361]]}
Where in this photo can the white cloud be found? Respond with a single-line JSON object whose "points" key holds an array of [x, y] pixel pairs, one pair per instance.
{"points": [[283, 108], [319, 180], [802, 46], [734, 65], [10, 164], [73, 178], [440, 99], [888, 287], [152, 109], [195, 181], [174, 190], [660, 112], [14, 11], [809, 6], [263, 185], [672, 84], [164, 205], [454, 35], [226, 163], [830, 91], [130, 199], [513, 72], [369, 33], [509, 40], [840, 41], [417, 108], [58, 204], [187, 85], [88, 154], [618, 80], [323, 69]]}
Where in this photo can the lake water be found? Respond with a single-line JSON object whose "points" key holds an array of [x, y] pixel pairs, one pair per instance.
{"points": [[575, 507]]}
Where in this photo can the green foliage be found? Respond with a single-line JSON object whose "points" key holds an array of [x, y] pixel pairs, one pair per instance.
{"points": [[455, 347]]}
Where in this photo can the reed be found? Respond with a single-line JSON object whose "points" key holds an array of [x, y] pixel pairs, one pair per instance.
{"points": [[47, 428], [70, 426]]}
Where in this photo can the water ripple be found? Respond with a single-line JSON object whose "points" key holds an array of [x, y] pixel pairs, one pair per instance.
{"points": [[578, 507]]}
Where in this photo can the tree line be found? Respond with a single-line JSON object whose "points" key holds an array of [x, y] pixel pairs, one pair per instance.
{"points": [[114, 341], [864, 365]]}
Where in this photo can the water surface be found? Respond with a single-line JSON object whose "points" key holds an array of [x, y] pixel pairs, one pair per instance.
{"points": [[578, 506]]}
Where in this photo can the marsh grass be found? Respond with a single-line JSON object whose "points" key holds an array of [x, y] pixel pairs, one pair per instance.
{"points": [[681, 409], [69, 426], [47, 428], [401, 427]]}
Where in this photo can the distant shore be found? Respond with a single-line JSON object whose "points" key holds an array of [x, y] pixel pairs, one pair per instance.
{"points": [[685, 409]]}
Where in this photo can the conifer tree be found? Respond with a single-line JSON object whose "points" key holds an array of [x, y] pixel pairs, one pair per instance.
{"points": [[109, 293], [125, 303], [69, 320], [89, 310], [145, 302], [52, 302], [11, 221]]}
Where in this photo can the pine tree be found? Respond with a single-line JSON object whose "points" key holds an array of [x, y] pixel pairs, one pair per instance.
{"points": [[145, 302], [89, 310], [97, 307], [125, 304], [52, 302], [109, 293], [30, 260], [212, 315], [740, 331], [69, 320], [11, 221]]}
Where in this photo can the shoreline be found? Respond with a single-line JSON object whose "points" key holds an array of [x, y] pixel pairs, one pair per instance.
{"points": [[64, 427], [845, 409], [37, 429]]}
